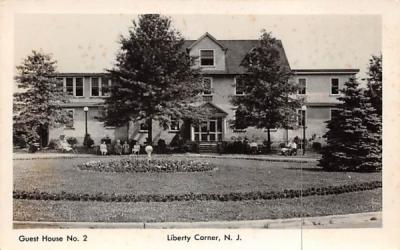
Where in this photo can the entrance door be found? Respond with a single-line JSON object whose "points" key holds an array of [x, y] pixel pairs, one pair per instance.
{"points": [[208, 131]]}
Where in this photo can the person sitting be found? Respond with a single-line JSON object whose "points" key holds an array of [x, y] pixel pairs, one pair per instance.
{"points": [[136, 149], [285, 149], [103, 148], [289, 149], [253, 147], [118, 148], [125, 148], [65, 147], [293, 148]]}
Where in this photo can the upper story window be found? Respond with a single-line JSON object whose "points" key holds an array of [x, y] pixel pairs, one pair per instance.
{"points": [[239, 87], [79, 86], [207, 85], [73, 86], [105, 87], [69, 83], [100, 86], [206, 57], [95, 86], [302, 86], [334, 86]]}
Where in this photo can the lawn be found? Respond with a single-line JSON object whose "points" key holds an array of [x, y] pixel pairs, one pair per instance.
{"points": [[231, 175]]}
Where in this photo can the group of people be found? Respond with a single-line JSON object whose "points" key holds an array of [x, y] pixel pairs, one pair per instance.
{"points": [[120, 148]]}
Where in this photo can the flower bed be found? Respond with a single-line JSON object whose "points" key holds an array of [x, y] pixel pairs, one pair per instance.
{"points": [[144, 165], [254, 195]]}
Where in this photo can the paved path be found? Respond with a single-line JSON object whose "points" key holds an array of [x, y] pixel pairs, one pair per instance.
{"points": [[276, 158], [360, 220]]}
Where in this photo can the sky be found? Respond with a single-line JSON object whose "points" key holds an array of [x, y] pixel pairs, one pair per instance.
{"points": [[89, 43]]}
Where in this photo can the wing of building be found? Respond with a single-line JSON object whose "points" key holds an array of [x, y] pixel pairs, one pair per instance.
{"points": [[219, 61]]}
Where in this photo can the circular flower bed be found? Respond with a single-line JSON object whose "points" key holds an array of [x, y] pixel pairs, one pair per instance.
{"points": [[144, 165]]}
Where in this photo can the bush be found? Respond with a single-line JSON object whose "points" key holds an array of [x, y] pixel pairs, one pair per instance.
{"points": [[161, 146], [54, 144], [20, 140], [72, 141], [87, 141]]}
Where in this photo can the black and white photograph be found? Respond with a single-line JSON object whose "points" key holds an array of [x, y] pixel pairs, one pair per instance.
{"points": [[161, 121]]}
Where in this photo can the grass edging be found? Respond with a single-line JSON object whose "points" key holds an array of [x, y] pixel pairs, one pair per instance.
{"points": [[234, 196]]}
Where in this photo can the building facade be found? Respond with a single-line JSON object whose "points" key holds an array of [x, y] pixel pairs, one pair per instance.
{"points": [[219, 61]]}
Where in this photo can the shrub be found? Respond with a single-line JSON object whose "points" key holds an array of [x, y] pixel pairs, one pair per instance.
{"points": [[54, 144], [88, 141], [72, 141]]}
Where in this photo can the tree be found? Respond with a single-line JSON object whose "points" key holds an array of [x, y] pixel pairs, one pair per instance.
{"points": [[353, 136], [37, 104], [374, 80], [268, 101], [153, 78]]}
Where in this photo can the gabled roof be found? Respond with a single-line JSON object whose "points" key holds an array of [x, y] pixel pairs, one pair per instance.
{"points": [[210, 37], [215, 110], [236, 50]]}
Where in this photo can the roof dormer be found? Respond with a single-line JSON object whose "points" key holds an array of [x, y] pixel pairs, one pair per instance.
{"points": [[210, 53]]}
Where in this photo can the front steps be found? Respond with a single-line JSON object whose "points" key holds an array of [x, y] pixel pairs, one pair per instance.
{"points": [[208, 147]]}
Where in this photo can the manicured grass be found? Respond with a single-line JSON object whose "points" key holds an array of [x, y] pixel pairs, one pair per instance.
{"points": [[32, 210], [232, 175]]}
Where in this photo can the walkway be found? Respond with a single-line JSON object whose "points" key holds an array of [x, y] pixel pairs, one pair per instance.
{"points": [[360, 220]]}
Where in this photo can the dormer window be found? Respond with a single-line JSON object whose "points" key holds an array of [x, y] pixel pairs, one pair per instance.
{"points": [[206, 57]]}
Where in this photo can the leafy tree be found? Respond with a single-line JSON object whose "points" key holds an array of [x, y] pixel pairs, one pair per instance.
{"points": [[374, 81], [268, 101], [37, 102], [353, 136], [153, 78]]}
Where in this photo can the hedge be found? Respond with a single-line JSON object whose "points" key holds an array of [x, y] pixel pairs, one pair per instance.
{"points": [[234, 196]]}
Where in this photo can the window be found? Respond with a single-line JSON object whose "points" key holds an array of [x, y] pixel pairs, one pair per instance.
{"points": [[79, 86], [239, 87], [334, 112], [206, 57], [301, 117], [207, 85], [70, 118], [70, 85], [174, 124], [143, 127], [105, 86], [302, 86], [334, 86], [95, 86]]}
